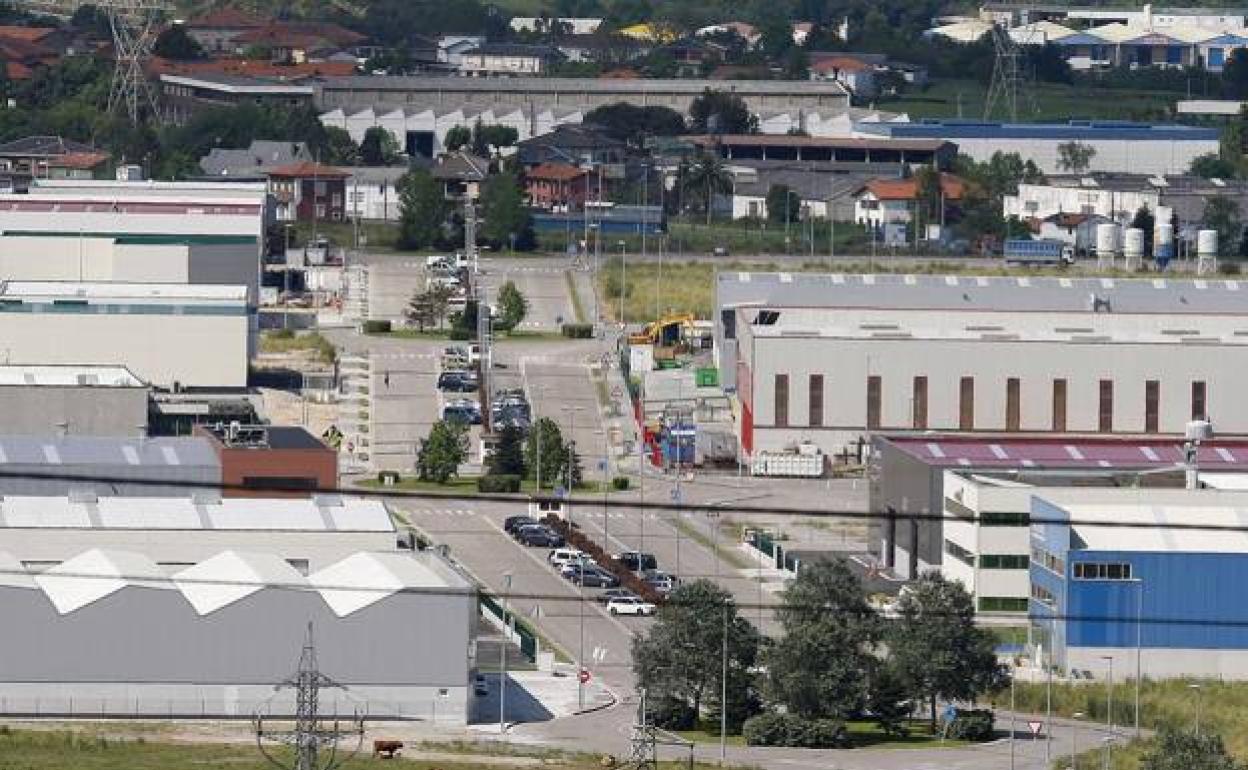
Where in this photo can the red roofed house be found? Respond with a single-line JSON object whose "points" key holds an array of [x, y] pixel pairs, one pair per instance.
{"points": [[853, 73], [215, 31], [307, 191], [49, 157], [559, 186], [298, 42], [22, 51], [891, 201]]}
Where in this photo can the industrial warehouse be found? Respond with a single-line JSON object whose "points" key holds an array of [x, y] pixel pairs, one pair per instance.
{"points": [[829, 359]]}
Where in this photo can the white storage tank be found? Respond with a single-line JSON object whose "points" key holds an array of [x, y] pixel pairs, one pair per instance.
{"points": [[1133, 243], [1163, 242], [1106, 240], [1207, 243]]}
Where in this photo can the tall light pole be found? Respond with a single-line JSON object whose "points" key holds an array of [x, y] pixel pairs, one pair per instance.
{"points": [[623, 277], [723, 694], [1109, 693], [1139, 647], [502, 658], [1196, 686], [1074, 739], [571, 454]]}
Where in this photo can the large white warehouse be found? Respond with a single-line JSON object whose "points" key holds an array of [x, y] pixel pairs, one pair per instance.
{"points": [[830, 359], [195, 336]]}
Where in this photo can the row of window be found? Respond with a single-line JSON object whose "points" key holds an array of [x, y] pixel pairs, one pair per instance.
{"points": [[987, 560], [1002, 604], [966, 403], [988, 518], [84, 308], [1052, 562], [959, 553], [1043, 595], [1098, 571]]}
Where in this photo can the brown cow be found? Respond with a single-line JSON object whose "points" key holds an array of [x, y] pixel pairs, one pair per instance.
{"points": [[386, 749]]}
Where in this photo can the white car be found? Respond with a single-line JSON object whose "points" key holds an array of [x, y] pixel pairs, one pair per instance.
{"points": [[630, 605], [562, 556]]}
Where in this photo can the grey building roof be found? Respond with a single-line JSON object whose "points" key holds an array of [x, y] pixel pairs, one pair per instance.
{"points": [[62, 451], [43, 146], [579, 85], [981, 293], [811, 184], [462, 166], [374, 174], [252, 162]]}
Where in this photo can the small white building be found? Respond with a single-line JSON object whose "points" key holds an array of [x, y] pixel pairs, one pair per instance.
{"points": [[568, 25], [882, 202], [167, 334], [85, 400], [373, 192], [491, 59]]}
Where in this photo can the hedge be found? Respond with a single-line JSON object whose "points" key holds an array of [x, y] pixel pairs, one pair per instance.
{"points": [[578, 331], [577, 539], [376, 327], [772, 729], [620, 483], [460, 335], [971, 725], [498, 483]]}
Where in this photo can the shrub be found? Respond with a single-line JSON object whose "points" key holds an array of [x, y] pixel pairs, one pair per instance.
{"points": [[770, 729], [376, 327], [674, 715], [460, 335], [971, 725], [282, 334], [578, 331], [620, 483], [1227, 267], [498, 483]]}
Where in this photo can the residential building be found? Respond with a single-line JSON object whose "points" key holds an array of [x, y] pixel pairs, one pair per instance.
{"points": [[23, 52], [911, 503], [186, 95], [693, 56], [1119, 146], [49, 157], [1119, 196], [882, 202], [856, 75], [76, 400], [298, 41], [451, 48], [215, 31], [270, 460], [307, 191], [572, 144], [169, 335], [546, 25], [250, 163], [817, 186], [373, 192], [508, 59], [833, 359], [744, 30], [560, 186], [79, 636], [461, 174]]}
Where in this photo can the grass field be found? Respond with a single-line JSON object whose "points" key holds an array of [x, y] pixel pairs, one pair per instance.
{"points": [[1038, 101], [287, 341]]}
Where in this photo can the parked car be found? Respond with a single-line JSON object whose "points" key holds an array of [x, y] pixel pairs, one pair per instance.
{"points": [[455, 381], [567, 568], [462, 411], [562, 556], [539, 536], [626, 605], [616, 593], [513, 523], [480, 687], [590, 576], [661, 581], [636, 561]]}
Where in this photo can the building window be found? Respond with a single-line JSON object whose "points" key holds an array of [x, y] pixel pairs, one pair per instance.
{"points": [[1003, 561], [966, 404], [281, 483], [1043, 595], [1152, 398], [1051, 562], [1011, 403], [874, 396], [1004, 519], [1199, 403], [1105, 412], [918, 407], [816, 400], [782, 401], [1059, 406], [728, 318], [1002, 604], [959, 553], [1096, 571]]}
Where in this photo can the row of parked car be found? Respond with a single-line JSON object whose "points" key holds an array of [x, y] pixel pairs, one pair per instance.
{"points": [[580, 568], [459, 375]]}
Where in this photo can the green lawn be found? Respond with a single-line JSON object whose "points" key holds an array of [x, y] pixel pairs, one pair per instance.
{"points": [[1038, 101], [286, 341]]}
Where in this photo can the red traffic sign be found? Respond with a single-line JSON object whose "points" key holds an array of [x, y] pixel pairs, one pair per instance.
{"points": [[1035, 727], [583, 676]]}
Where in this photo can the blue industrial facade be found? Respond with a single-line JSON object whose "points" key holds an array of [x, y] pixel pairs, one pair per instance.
{"points": [[1174, 599]]}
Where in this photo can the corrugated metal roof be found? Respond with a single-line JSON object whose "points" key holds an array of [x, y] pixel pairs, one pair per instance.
{"points": [[363, 579], [93, 575], [980, 293], [231, 576], [69, 375], [1104, 526], [103, 290], [165, 513], [1075, 129], [1066, 452], [108, 450]]}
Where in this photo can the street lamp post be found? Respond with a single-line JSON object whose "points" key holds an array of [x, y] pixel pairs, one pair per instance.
{"points": [[723, 695], [1109, 694], [502, 658], [623, 277], [1074, 740], [1199, 698]]}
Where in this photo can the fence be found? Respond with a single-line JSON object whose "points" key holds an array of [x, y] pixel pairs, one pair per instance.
{"points": [[509, 620]]}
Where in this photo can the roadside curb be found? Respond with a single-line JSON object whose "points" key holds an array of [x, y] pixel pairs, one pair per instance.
{"points": [[613, 700]]}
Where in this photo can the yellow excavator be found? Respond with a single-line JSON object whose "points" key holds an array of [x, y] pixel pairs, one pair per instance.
{"points": [[665, 332]]}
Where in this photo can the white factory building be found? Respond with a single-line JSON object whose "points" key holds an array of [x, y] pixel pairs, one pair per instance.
{"points": [[194, 336], [831, 358]]}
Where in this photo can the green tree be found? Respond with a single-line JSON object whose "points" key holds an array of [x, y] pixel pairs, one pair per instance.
{"points": [[818, 668], [379, 147], [632, 124], [1212, 165], [1174, 750], [508, 456], [1235, 74], [340, 148], [457, 138], [506, 218], [889, 700], [512, 306], [442, 452], [929, 196], [174, 43], [421, 310], [1075, 157], [680, 660], [544, 451], [721, 112], [705, 178], [489, 139], [1146, 222], [573, 471], [938, 650], [1222, 214], [422, 210], [783, 204]]}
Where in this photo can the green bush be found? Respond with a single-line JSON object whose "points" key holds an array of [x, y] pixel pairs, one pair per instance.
{"points": [[460, 335], [971, 725], [1227, 267], [498, 484], [770, 729], [376, 327], [674, 715], [620, 483], [282, 334], [578, 331]]}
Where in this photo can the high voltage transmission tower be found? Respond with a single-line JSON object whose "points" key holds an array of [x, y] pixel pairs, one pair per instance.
{"points": [[1006, 75], [134, 33], [310, 735]]}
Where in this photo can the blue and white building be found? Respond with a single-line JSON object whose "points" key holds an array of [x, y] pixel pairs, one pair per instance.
{"points": [[1144, 580], [1140, 148]]}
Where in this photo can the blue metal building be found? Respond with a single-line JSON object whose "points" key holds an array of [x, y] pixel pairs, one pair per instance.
{"points": [[1110, 581]]}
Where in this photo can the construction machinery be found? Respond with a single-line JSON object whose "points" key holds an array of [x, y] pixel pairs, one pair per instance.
{"points": [[665, 332]]}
